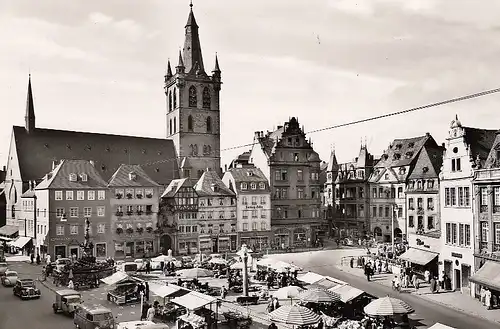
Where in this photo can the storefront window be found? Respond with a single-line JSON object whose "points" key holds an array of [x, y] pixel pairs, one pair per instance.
{"points": [[100, 249], [206, 245], [223, 245], [119, 250], [139, 248], [129, 249], [149, 246]]}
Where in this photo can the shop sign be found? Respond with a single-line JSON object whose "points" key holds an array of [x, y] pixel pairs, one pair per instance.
{"points": [[456, 255], [254, 207]]}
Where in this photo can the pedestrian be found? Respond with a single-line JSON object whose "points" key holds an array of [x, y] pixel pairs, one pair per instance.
{"points": [[47, 259], [487, 299], [441, 280], [433, 285], [272, 326], [414, 281], [482, 294], [146, 290], [367, 272], [427, 276], [352, 262], [144, 311], [32, 257], [148, 267], [38, 260], [150, 315]]}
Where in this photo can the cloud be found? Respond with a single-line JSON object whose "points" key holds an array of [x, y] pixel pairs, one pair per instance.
{"points": [[128, 26]]}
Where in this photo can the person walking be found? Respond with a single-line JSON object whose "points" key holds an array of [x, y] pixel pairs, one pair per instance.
{"points": [[146, 291], [150, 314], [415, 282], [441, 280]]}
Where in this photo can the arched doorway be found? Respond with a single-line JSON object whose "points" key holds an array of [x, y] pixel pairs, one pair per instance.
{"points": [[377, 232], [398, 234], [165, 244]]}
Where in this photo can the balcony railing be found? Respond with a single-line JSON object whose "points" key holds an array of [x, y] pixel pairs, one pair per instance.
{"points": [[483, 208]]}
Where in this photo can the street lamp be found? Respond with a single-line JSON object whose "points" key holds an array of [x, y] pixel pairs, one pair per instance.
{"points": [[394, 209], [244, 255]]}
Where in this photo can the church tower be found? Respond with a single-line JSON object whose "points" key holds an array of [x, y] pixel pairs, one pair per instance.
{"points": [[193, 116]]}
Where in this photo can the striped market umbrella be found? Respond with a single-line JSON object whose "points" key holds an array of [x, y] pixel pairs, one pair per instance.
{"points": [[295, 315], [387, 306], [318, 295]]}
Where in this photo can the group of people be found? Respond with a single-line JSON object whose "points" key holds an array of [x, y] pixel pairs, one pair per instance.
{"points": [[280, 279], [488, 299]]}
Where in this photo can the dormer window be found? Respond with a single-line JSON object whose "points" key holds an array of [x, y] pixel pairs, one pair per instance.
{"points": [[399, 146], [84, 177], [250, 173], [132, 176], [409, 154], [262, 186], [425, 169], [244, 186], [72, 177], [397, 156], [411, 145], [215, 188], [253, 186]]}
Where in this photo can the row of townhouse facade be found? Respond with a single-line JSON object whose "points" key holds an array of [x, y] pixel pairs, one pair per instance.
{"points": [[443, 201]]}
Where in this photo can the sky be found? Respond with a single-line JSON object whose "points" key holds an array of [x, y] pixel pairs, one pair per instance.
{"points": [[98, 66]]}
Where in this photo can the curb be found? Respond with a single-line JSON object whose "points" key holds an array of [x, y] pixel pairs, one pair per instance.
{"points": [[46, 285], [339, 267]]}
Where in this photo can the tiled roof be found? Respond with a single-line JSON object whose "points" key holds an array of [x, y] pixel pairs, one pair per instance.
{"points": [[241, 159], [480, 142], [210, 178], [428, 164], [175, 185], [402, 152], [38, 149], [28, 194], [121, 177], [493, 160], [249, 175], [59, 177]]}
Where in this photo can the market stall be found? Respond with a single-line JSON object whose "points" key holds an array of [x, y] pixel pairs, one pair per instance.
{"points": [[310, 277], [191, 321], [195, 302], [441, 326], [125, 292]]}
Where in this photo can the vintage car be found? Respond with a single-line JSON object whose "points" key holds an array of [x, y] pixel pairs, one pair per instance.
{"points": [[9, 279], [3, 269], [87, 317], [67, 301], [26, 289]]}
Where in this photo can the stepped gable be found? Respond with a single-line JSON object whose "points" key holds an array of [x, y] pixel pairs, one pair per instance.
{"points": [[37, 150]]}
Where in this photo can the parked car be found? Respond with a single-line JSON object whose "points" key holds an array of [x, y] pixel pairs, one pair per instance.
{"points": [[87, 317], [67, 301], [26, 289], [9, 279]]}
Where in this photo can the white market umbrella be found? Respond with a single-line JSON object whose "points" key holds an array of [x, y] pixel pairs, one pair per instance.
{"points": [[287, 292], [194, 273], [219, 261], [295, 315], [163, 258], [387, 306]]}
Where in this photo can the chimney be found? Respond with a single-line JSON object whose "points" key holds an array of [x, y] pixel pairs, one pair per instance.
{"points": [[427, 134], [279, 127], [54, 164], [443, 145], [225, 167], [4, 168], [92, 163], [257, 134]]}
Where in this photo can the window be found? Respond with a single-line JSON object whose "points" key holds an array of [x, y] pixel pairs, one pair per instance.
{"points": [[447, 197], [73, 229], [59, 230], [400, 211], [263, 214], [59, 212], [467, 235], [253, 186], [262, 200], [84, 177], [244, 200], [281, 175], [497, 233], [411, 206], [100, 211], [87, 212], [496, 192], [484, 196], [69, 195], [72, 177], [221, 215], [245, 226], [262, 186], [430, 203], [174, 95], [454, 233], [430, 184], [254, 213], [411, 222], [484, 231], [386, 176], [263, 226], [361, 210], [380, 192], [73, 212], [467, 196], [420, 222], [460, 196], [80, 195], [419, 184], [245, 213], [387, 211], [170, 127], [209, 125], [206, 98], [244, 186], [175, 125], [457, 164], [193, 97], [380, 211], [190, 123], [374, 193], [300, 175], [374, 212], [453, 196], [300, 193], [453, 167], [461, 234], [420, 202], [58, 195], [91, 195], [255, 226], [430, 223], [221, 201], [101, 195], [254, 200], [361, 192], [448, 233], [296, 157]]}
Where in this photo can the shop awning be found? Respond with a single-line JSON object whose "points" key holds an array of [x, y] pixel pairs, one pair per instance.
{"points": [[488, 275], [194, 300], [164, 290], [347, 292], [115, 278], [310, 277], [417, 256], [20, 242], [8, 230], [326, 283], [195, 320]]}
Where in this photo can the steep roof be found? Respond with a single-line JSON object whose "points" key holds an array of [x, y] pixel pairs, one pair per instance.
{"points": [[36, 151], [209, 179], [403, 152], [192, 58], [121, 177], [480, 142], [59, 177], [175, 185], [242, 159], [249, 175], [428, 163]]}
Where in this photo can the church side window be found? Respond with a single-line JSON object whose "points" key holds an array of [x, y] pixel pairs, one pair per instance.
{"points": [[175, 125], [170, 101], [170, 127], [190, 123], [174, 97], [192, 97], [209, 125], [206, 98]]}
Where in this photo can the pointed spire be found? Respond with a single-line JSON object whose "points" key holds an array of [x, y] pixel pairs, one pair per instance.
{"points": [[192, 47], [216, 68], [180, 65], [30, 109], [169, 70], [332, 163]]}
